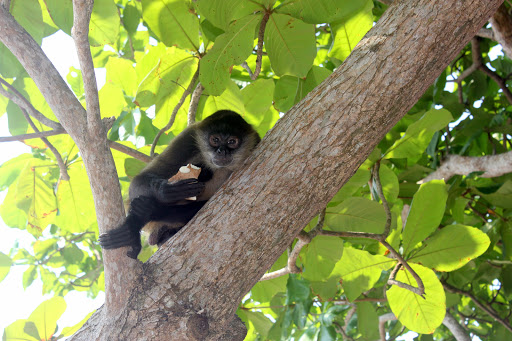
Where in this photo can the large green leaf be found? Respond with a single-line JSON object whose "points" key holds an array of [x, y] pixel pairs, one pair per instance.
{"points": [[16, 332], [357, 215], [452, 247], [104, 25], [359, 271], [28, 14], [320, 256], [367, 320], [349, 31], [170, 75], [427, 210], [422, 315], [389, 182], [290, 44], [61, 12], [322, 11], [221, 12], [418, 135], [230, 48], [11, 169], [45, 316], [257, 98], [173, 21], [121, 72], [111, 99], [230, 99]]}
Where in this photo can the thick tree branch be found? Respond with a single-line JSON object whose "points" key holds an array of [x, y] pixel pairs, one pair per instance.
{"points": [[501, 23], [491, 166], [298, 167], [455, 328]]}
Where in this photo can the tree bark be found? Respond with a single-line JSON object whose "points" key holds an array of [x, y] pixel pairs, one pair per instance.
{"points": [[190, 288], [93, 147]]}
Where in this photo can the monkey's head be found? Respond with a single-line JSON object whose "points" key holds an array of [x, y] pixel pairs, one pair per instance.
{"points": [[225, 140]]}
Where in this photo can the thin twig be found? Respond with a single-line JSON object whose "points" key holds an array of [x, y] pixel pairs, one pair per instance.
{"points": [[382, 323], [22, 102], [62, 165], [187, 92], [194, 102], [378, 185], [259, 51], [23, 137], [129, 151], [485, 307], [82, 10], [304, 238]]}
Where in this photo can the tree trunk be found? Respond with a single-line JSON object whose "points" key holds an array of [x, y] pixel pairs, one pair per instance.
{"points": [[191, 287]]}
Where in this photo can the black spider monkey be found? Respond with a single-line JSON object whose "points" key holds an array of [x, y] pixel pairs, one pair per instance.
{"points": [[218, 145]]}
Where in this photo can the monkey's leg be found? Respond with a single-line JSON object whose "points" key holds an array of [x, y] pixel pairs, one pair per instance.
{"points": [[142, 209]]}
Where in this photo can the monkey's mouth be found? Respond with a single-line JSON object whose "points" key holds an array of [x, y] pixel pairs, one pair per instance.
{"points": [[222, 160]]}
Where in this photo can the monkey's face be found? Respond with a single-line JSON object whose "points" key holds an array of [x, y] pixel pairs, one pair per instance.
{"points": [[222, 149]]}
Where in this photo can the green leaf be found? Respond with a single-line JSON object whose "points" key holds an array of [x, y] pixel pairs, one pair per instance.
{"points": [[10, 170], [28, 14], [285, 93], [427, 210], [230, 48], [221, 12], [357, 215], [357, 181], [121, 72], [74, 198], [104, 25], [320, 256], [72, 254], [290, 44], [230, 99], [45, 316], [452, 247], [297, 290], [5, 265], [61, 12], [367, 320], [326, 333], [170, 75], [349, 31], [322, 11], [257, 98], [418, 135], [29, 276], [359, 271], [389, 182], [258, 320], [76, 81], [16, 332], [422, 315], [173, 21], [111, 100]]}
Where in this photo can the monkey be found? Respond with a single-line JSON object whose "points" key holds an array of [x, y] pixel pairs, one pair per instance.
{"points": [[218, 145]]}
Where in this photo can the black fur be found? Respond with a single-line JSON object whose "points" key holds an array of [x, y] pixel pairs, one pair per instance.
{"points": [[154, 199]]}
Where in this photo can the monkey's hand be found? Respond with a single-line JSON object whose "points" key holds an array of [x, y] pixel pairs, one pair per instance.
{"points": [[169, 193], [128, 234]]}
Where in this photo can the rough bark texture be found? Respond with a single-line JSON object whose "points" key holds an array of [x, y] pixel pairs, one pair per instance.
{"points": [[93, 147], [190, 289], [501, 23]]}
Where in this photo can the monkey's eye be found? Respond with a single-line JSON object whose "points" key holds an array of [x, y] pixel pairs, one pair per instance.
{"points": [[233, 142], [214, 141]]}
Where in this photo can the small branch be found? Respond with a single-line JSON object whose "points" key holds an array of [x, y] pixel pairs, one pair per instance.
{"points": [[187, 92], [22, 102], [62, 165], [194, 102], [304, 238], [82, 10], [129, 151], [486, 33], [501, 24], [382, 324], [378, 185], [38, 135], [485, 307], [259, 51], [491, 165]]}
